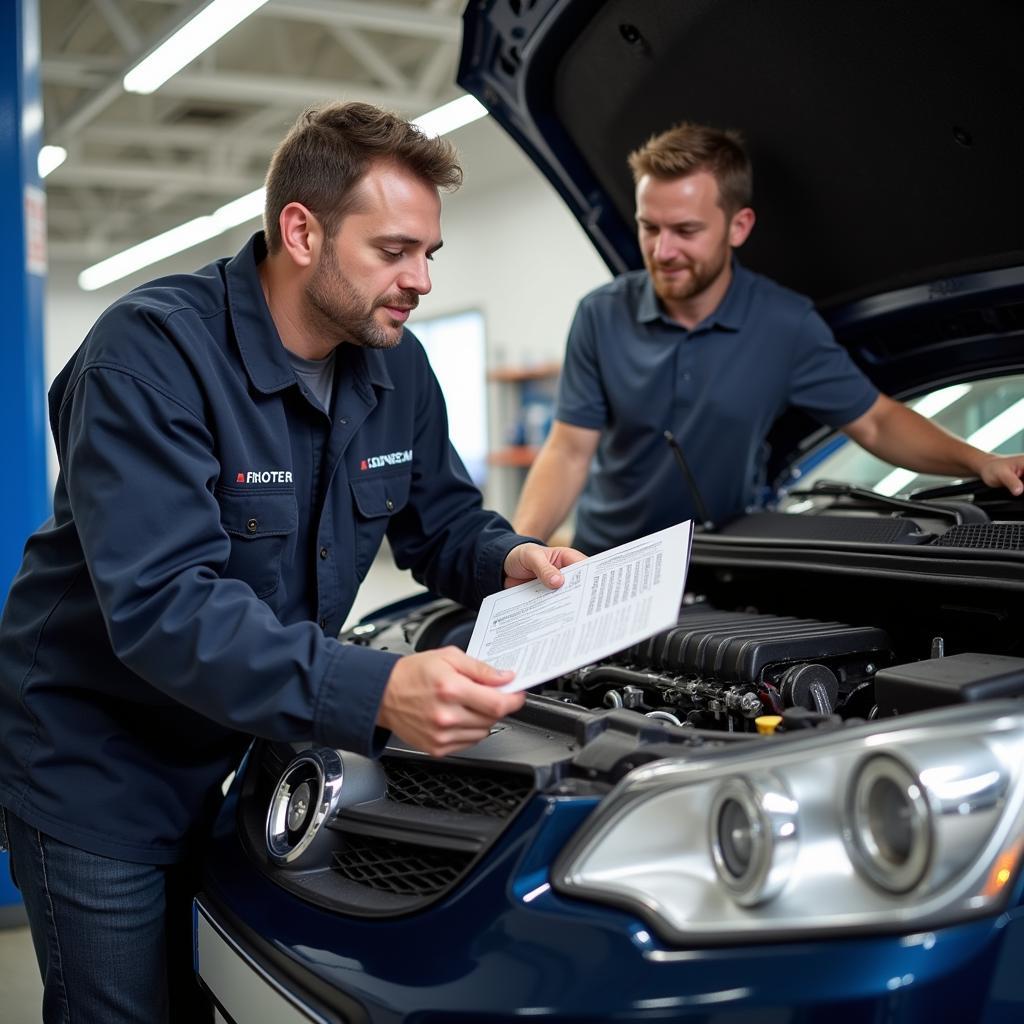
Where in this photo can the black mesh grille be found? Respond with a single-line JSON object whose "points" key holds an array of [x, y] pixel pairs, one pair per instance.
{"points": [[390, 856], [465, 791], [399, 868], [994, 536]]}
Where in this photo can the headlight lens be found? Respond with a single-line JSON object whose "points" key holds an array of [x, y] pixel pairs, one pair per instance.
{"points": [[889, 826], [753, 837]]}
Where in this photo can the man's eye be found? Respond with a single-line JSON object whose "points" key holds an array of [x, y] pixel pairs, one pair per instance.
{"points": [[391, 254]]}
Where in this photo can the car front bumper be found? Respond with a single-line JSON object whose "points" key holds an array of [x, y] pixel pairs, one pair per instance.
{"points": [[504, 947]]}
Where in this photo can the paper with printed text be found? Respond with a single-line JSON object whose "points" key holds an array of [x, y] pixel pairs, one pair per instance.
{"points": [[606, 603]]}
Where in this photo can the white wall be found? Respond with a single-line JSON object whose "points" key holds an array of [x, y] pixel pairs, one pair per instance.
{"points": [[511, 250]]}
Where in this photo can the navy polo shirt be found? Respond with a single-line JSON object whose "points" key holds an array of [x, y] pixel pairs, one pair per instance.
{"points": [[212, 523], [632, 372]]}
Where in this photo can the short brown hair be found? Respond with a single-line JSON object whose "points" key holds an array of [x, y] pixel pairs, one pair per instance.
{"points": [[686, 148], [331, 147]]}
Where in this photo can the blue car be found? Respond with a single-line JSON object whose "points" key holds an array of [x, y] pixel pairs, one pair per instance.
{"points": [[805, 802]]}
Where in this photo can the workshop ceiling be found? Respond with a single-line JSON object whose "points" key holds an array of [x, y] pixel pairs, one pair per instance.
{"points": [[138, 165]]}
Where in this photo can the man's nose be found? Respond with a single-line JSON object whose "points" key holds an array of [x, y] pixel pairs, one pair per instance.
{"points": [[664, 247], [415, 277]]}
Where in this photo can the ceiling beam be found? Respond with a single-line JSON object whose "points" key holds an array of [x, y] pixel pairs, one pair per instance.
{"points": [[92, 106], [242, 87], [438, 70], [395, 19], [127, 34], [145, 176], [138, 133], [370, 57]]}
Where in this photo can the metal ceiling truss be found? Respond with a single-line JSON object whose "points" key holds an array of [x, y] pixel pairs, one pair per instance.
{"points": [[138, 165]]}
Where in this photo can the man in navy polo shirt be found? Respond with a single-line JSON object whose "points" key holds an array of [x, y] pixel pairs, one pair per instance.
{"points": [[699, 346], [233, 445]]}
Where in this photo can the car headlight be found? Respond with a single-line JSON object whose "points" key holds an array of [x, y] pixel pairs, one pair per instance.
{"points": [[892, 825]]}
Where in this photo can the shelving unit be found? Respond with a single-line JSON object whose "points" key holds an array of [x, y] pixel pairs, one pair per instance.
{"points": [[522, 401]]}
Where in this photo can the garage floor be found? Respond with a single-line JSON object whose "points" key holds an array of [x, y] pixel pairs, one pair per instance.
{"points": [[19, 975]]}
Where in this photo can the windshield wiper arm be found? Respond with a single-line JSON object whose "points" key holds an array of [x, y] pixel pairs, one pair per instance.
{"points": [[829, 488]]}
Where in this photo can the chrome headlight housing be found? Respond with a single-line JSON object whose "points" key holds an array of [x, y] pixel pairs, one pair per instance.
{"points": [[897, 825]]}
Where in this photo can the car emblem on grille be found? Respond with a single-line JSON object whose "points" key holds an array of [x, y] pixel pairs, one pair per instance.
{"points": [[306, 795], [297, 807]]}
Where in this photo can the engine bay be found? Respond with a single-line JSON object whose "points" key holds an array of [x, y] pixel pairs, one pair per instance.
{"points": [[780, 633]]}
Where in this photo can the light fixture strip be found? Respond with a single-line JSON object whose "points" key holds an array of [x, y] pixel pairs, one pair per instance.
{"points": [[197, 34]]}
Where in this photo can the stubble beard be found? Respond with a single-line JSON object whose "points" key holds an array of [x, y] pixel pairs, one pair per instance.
{"points": [[700, 279], [337, 309]]}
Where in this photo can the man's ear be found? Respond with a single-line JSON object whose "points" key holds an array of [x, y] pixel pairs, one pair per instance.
{"points": [[740, 226], [301, 235]]}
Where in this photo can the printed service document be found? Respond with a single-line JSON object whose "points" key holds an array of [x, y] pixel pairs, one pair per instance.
{"points": [[606, 603]]}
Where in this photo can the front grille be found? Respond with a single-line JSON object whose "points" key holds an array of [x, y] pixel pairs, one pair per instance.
{"points": [[464, 790], [402, 869], [390, 855], [990, 536]]}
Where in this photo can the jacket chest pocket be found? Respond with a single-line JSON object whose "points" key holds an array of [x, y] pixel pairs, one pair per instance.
{"points": [[375, 500], [259, 525]]}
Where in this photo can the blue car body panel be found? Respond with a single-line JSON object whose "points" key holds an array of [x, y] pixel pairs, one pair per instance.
{"points": [[506, 947]]}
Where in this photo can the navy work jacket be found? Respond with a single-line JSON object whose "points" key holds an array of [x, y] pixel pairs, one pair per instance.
{"points": [[211, 527]]}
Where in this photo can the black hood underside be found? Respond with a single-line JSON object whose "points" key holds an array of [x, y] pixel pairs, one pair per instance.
{"points": [[887, 138]]}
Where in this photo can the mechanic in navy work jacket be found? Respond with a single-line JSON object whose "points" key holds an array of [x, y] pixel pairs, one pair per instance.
{"points": [[233, 446], [700, 346]]}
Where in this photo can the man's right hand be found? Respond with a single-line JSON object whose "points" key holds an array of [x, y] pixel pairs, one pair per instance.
{"points": [[443, 701]]}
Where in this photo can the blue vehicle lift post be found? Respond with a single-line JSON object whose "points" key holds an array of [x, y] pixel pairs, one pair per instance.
{"points": [[22, 281]]}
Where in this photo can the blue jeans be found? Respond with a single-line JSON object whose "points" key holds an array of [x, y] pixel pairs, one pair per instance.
{"points": [[113, 939]]}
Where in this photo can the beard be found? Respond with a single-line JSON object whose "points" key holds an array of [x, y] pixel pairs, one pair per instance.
{"points": [[701, 276], [339, 311]]}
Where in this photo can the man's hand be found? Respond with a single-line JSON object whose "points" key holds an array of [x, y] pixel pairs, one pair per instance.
{"points": [[534, 562], [1004, 471], [443, 701]]}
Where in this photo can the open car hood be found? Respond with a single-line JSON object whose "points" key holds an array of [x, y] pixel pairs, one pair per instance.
{"points": [[887, 143]]}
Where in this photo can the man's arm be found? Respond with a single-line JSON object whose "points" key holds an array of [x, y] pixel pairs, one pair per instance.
{"points": [[902, 437], [555, 480]]}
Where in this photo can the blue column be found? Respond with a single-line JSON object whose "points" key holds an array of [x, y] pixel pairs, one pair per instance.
{"points": [[25, 502]]}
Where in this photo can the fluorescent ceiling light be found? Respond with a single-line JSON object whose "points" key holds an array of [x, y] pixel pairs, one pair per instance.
{"points": [[196, 35], [50, 158], [444, 119], [184, 236], [439, 121]]}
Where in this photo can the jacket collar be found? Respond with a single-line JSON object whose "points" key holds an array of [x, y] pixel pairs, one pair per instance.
{"points": [[262, 351]]}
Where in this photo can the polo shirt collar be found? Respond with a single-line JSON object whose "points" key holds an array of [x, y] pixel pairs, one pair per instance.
{"points": [[263, 353], [729, 314]]}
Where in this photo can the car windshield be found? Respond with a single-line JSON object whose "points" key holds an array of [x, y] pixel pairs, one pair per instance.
{"points": [[988, 413]]}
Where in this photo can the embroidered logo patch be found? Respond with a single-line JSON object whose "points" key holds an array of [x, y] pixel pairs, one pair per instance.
{"points": [[391, 459], [264, 476]]}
